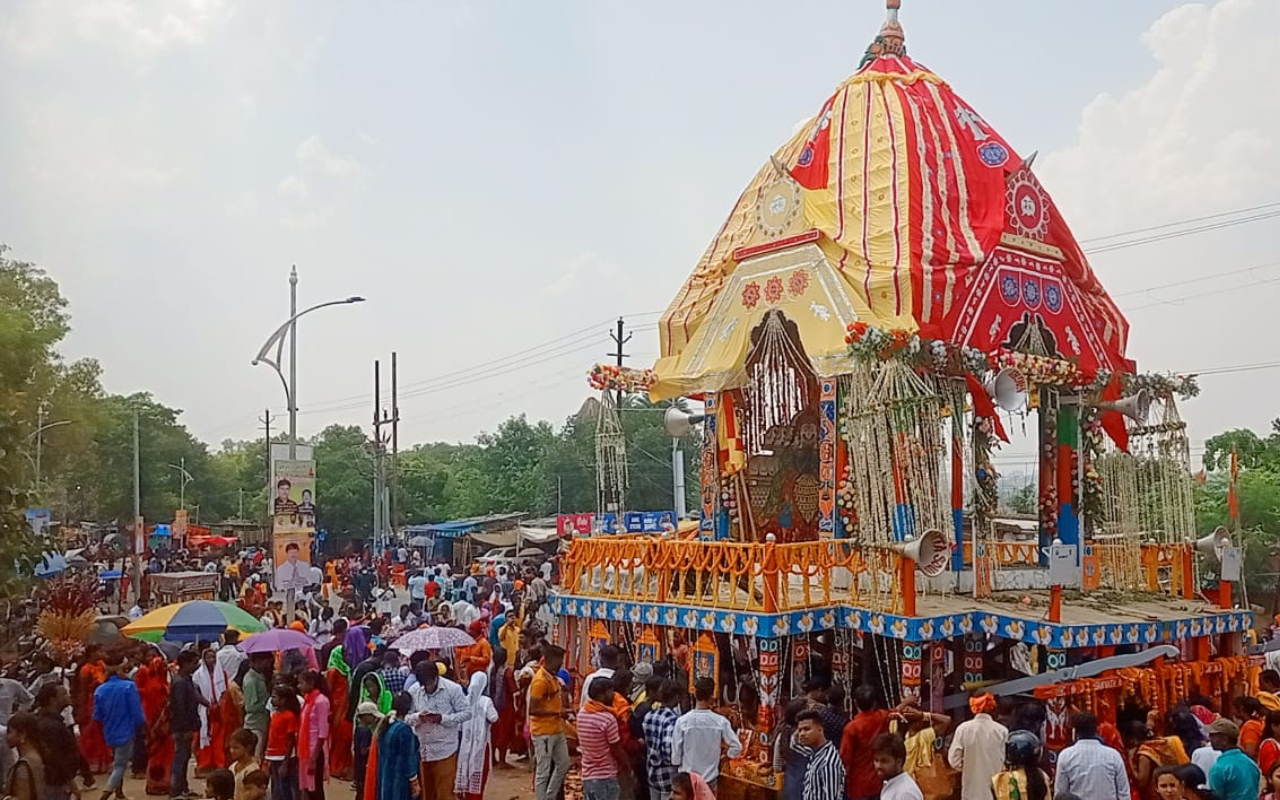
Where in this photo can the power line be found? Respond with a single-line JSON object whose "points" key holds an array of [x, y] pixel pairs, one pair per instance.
{"points": [[1215, 276], [1180, 223], [1180, 234]]}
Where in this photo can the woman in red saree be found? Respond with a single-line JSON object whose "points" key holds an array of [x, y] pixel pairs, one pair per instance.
{"points": [[341, 728], [153, 686], [93, 746]]}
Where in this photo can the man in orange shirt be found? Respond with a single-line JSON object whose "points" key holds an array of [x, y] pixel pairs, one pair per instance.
{"points": [[1249, 715], [546, 724]]}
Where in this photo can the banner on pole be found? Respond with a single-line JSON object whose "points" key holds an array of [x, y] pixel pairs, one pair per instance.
{"points": [[293, 522]]}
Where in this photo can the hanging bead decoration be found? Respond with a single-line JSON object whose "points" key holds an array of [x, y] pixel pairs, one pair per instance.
{"points": [[1147, 499], [780, 380], [894, 435]]}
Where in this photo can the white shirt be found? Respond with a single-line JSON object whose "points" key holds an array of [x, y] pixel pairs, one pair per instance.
{"points": [[696, 740], [438, 740], [292, 575], [317, 576], [135, 612], [603, 672], [417, 587], [1205, 757], [903, 787], [230, 658], [1091, 769], [977, 750]]}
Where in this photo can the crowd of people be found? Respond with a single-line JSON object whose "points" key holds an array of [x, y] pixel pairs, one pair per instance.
{"points": [[433, 725], [351, 708]]}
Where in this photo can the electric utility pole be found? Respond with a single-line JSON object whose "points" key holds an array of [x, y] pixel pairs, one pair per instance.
{"points": [[619, 340], [265, 419]]}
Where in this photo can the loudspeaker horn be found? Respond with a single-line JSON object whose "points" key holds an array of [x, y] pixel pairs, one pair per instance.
{"points": [[931, 551], [1135, 406], [1008, 388], [1215, 543], [679, 422]]}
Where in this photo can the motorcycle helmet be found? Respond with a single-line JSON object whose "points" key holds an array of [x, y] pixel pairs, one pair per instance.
{"points": [[1022, 749]]}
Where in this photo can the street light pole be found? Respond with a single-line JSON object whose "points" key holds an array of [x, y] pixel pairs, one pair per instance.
{"points": [[38, 435], [181, 467], [293, 364], [276, 341]]}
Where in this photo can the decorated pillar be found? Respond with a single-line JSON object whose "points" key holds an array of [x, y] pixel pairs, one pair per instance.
{"points": [[1068, 484], [957, 480], [770, 688], [597, 639], [975, 655], [912, 669], [799, 662], [647, 646], [710, 524], [937, 675], [828, 446], [1054, 659], [1048, 435], [706, 661]]}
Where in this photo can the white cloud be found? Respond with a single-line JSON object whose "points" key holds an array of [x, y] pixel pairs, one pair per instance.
{"points": [[312, 152], [292, 186], [1200, 134], [142, 27], [583, 270]]}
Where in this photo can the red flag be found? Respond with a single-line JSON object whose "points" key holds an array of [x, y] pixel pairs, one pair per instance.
{"points": [[811, 167], [1113, 421], [1233, 495], [983, 407]]}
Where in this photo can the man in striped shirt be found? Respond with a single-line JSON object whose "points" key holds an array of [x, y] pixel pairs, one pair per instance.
{"points": [[658, 725], [824, 779], [600, 744]]}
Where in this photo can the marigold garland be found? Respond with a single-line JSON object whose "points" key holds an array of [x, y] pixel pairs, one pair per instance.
{"points": [[613, 378]]}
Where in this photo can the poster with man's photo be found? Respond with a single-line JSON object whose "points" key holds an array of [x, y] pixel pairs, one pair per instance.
{"points": [[294, 508]]}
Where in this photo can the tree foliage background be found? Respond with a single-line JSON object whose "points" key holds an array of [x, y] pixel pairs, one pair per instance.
{"points": [[86, 461]]}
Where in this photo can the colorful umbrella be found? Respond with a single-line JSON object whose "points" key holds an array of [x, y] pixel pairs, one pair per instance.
{"points": [[434, 638], [192, 620], [276, 639]]}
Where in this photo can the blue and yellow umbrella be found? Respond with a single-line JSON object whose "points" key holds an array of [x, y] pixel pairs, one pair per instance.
{"points": [[190, 621]]}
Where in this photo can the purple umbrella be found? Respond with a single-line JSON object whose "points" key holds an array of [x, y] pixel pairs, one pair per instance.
{"points": [[276, 639]]}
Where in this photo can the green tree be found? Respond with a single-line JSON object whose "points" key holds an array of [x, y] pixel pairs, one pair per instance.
{"points": [[1023, 500], [344, 482], [33, 320]]}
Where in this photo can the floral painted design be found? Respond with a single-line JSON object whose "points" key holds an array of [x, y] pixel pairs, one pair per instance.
{"points": [[751, 295], [773, 289], [750, 625], [798, 282]]}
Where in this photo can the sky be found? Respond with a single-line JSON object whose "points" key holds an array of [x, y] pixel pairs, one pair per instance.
{"points": [[502, 180]]}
